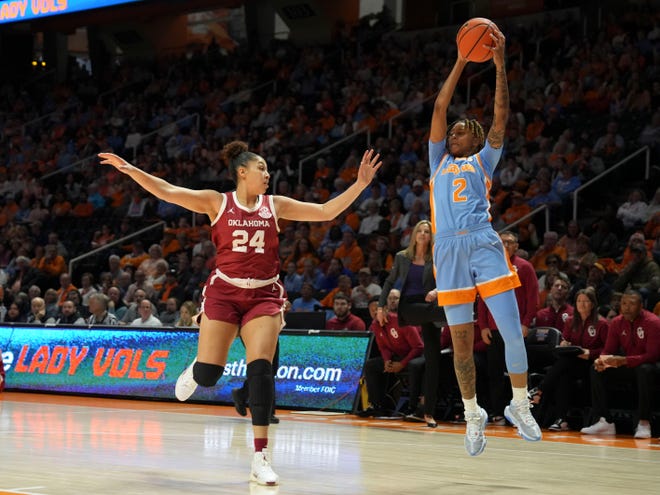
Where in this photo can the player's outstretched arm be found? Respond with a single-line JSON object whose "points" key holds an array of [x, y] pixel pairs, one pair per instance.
{"points": [[501, 110], [442, 101], [204, 201], [292, 209]]}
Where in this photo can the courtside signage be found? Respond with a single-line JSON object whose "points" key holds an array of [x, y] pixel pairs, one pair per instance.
{"points": [[317, 370], [24, 10]]}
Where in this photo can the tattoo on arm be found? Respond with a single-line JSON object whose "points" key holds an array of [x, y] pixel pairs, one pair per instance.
{"points": [[496, 133]]}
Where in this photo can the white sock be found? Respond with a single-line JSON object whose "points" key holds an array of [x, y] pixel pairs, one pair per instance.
{"points": [[519, 394], [471, 405]]}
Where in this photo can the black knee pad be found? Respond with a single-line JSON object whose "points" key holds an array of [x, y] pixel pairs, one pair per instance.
{"points": [[260, 376], [207, 375]]}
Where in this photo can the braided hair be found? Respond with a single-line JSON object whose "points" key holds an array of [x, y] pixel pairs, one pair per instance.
{"points": [[474, 127], [237, 155]]}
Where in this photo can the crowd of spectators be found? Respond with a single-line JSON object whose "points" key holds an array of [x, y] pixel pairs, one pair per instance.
{"points": [[579, 104]]}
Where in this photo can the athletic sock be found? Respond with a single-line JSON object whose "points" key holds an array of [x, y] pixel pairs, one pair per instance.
{"points": [[260, 444], [519, 394], [471, 405]]}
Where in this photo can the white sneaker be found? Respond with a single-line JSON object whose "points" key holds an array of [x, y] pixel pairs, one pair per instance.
{"points": [[475, 440], [262, 472], [185, 384], [643, 431], [518, 414], [601, 427]]}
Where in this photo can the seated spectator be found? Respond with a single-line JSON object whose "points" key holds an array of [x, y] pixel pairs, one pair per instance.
{"points": [[350, 253], [302, 250], [24, 275], [135, 257], [344, 319], [187, 312], [160, 275], [554, 267], [116, 304], [401, 348], [517, 210], [65, 288], [557, 311], [610, 144], [87, 288], [306, 301], [635, 238], [587, 330], [628, 358], [37, 314], [52, 265], [569, 241], [365, 290], [98, 309], [169, 289], [52, 308], [641, 274], [146, 318], [344, 286], [371, 219], [149, 265], [14, 314], [68, 315], [545, 196], [140, 283], [103, 237], [549, 246], [292, 280], [595, 279], [170, 313], [632, 213]]}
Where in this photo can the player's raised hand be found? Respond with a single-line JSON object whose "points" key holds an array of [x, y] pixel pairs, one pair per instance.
{"points": [[369, 165], [116, 161]]}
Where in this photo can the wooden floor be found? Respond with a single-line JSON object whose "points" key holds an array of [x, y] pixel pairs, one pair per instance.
{"points": [[62, 445]]}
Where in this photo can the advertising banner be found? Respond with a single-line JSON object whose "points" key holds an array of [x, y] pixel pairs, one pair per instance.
{"points": [[317, 369], [25, 10]]}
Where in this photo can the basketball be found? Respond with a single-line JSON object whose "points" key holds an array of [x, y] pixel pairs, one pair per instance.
{"points": [[472, 36]]}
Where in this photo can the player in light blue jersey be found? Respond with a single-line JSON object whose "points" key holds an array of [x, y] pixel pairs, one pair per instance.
{"points": [[469, 256]]}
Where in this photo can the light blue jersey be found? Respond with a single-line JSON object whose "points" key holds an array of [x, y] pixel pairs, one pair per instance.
{"points": [[460, 187]]}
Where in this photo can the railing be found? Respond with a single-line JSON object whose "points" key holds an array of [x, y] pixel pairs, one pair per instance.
{"points": [[324, 150], [194, 116], [530, 215], [647, 174], [34, 121], [75, 260], [105, 94], [406, 112], [75, 164]]}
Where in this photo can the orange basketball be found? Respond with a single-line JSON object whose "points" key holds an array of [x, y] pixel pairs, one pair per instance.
{"points": [[472, 36]]}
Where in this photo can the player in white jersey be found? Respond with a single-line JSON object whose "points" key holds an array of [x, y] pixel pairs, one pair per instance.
{"points": [[469, 256]]}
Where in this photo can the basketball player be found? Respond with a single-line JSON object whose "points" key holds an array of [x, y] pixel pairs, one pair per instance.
{"points": [[244, 291], [469, 256]]}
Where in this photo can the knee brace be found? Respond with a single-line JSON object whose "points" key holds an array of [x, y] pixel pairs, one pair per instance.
{"points": [[260, 377], [207, 375]]}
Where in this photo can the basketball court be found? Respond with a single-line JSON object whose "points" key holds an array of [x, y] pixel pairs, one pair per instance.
{"points": [[62, 445]]}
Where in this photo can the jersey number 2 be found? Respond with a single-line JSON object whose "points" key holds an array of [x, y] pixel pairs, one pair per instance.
{"points": [[242, 241], [459, 187]]}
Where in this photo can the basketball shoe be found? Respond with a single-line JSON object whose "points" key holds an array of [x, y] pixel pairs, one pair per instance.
{"points": [[185, 384], [600, 427], [262, 472], [518, 414], [475, 440]]}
